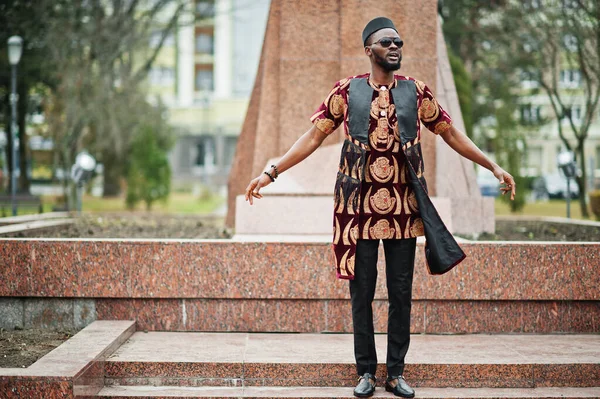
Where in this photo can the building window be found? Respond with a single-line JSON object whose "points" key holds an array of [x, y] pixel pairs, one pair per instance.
{"points": [[530, 79], [530, 114], [205, 152], [205, 9], [573, 112], [204, 43], [577, 113], [534, 161], [570, 78], [162, 76], [156, 36], [204, 79]]}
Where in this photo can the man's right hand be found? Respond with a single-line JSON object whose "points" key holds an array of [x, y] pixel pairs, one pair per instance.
{"points": [[252, 191]]}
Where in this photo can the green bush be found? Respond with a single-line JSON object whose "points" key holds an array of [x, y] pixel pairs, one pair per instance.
{"points": [[595, 203], [149, 173], [523, 188]]}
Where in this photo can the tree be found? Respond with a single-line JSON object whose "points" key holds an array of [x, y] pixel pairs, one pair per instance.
{"points": [[466, 33], [464, 89], [550, 36], [102, 56], [26, 19], [149, 173], [485, 84], [464, 26]]}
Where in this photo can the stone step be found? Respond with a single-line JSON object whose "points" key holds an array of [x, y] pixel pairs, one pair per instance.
{"points": [[122, 392], [285, 360]]}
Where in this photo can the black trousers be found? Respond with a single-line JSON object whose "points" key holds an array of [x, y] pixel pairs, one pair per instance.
{"points": [[400, 264]]}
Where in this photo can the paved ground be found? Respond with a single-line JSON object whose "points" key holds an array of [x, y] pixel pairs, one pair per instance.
{"points": [[338, 348], [342, 393]]}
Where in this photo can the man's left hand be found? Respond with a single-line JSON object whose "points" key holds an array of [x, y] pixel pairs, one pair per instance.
{"points": [[505, 178]]}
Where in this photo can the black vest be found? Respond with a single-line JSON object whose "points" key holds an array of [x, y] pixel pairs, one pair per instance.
{"points": [[441, 249]]}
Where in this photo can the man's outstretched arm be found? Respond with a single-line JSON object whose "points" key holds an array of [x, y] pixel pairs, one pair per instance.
{"points": [[302, 148], [462, 144]]}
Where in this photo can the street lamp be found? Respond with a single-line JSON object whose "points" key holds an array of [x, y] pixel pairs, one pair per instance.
{"points": [[15, 49], [566, 162], [81, 171]]}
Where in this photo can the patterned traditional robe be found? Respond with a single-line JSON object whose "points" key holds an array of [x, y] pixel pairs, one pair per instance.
{"points": [[378, 194]]}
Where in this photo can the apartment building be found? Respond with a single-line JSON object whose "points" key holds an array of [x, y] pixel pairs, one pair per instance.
{"points": [[542, 126], [205, 75]]}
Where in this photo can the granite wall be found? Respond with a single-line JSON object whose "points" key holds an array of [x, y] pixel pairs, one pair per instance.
{"points": [[250, 286]]}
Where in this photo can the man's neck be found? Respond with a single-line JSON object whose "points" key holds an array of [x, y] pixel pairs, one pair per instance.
{"points": [[381, 77]]}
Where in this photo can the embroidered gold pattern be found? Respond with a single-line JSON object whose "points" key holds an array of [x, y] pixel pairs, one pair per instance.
{"points": [[344, 82], [354, 234], [382, 202], [382, 230], [340, 199], [429, 110], [412, 201], [366, 206], [407, 209], [441, 127], [346, 234], [407, 230], [420, 86], [350, 201], [351, 210], [350, 264], [336, 105], [398, 232], [366, 229], [396, 131], [375, 109], [336, 231], [381, 170], [383, 100], [417, 228], [380, 139], [325, 125], [344, 264], [331, 93], [398, 208]]}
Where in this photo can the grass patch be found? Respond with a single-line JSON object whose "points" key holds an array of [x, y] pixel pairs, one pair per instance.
{"points": [[554, 208], [177, 203]]}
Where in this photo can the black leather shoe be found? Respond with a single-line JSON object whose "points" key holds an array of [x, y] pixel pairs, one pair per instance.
{"points": [[366, 386], [401, 389]]}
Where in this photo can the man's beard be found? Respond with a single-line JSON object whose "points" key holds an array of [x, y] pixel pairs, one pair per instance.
{"points": [[386, 65]]}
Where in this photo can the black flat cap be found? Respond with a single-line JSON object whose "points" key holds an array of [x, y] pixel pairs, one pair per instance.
{"points": [[375, 25]]}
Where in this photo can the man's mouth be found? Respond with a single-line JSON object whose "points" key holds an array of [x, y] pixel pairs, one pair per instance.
{"points": [[394, 57]]}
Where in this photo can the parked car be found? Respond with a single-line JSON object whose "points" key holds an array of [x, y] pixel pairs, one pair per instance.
{"points": [[488, 184], [554, 186]]}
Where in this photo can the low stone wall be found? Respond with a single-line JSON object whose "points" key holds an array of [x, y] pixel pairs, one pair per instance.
{"points": [[75, 369], [248, 286]]}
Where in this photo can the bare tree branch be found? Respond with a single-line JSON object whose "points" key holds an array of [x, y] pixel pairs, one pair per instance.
{"points": [[143, 71]]}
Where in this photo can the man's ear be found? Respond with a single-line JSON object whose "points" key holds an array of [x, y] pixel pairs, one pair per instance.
{"points": [[368, 51]]}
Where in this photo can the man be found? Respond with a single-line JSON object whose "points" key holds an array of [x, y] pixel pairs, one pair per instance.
{"points": [[381, 194]]}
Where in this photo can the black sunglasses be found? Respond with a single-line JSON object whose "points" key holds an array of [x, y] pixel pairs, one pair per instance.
{"points": [[386, 42]]}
